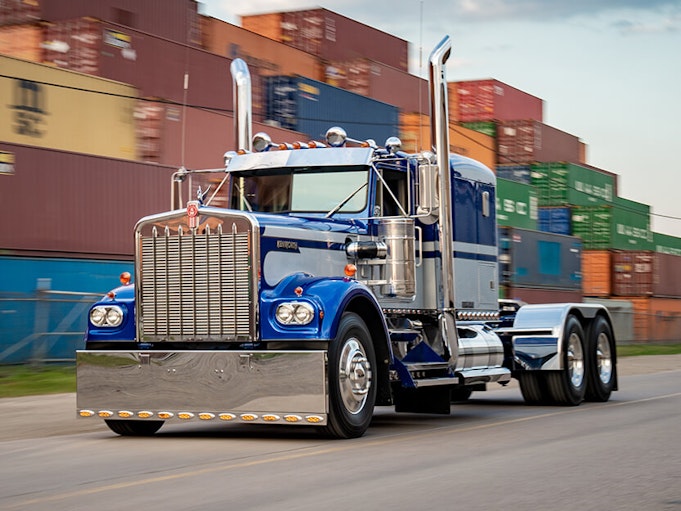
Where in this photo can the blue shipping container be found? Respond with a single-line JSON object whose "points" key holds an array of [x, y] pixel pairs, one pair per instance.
{"points": [[555, 220], [44, 304], [519, 173], [312, 107]]}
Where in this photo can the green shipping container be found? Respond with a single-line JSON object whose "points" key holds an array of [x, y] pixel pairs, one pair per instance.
{"points": [[624, 225], [516, 205], [666, 244], [568, 184], [487, 127]]}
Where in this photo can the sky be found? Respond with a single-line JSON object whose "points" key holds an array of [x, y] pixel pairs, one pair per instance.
{"points": [[609, 71]]}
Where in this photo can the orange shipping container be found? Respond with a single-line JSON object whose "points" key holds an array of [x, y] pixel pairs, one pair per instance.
{"points": [[268, 25], [22, 42], [414, 132], [473, 144], [596, 272], [656, 319], [269, 57], [453, 102]]}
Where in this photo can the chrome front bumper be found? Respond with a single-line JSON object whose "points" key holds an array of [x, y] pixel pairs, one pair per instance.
{"points": [[238, 386]]}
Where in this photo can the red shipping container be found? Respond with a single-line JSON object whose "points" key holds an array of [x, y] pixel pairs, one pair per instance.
{"points": [[177, 20], [528, 141], [632, 272], [192, 137], [533, 295], [667, 276], [331, 36], [492, 100], [19, 12], [80, 203], [380, 82], [154, 65]]}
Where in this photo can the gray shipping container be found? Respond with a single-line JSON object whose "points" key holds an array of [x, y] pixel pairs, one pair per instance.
{"points": [[537, 259]]}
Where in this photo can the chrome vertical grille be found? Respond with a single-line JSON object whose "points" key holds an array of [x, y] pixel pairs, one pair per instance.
{"points": [[196, 286]]}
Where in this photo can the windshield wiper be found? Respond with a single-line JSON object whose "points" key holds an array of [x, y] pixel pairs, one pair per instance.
{"points": [[345, 201]]}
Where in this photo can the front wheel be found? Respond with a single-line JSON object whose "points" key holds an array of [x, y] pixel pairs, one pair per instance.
{"points": [[352, 390], [134, 428], [568, 386], [600, 361]]}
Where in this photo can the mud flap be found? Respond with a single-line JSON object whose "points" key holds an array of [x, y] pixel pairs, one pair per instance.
{"points": [[424, 400]]}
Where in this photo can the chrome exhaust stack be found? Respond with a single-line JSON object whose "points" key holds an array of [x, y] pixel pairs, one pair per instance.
{"points": [[243, 112], [439, 130]]}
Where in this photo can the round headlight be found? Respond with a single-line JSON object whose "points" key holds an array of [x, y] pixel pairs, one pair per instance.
{"points": [[285, 313], [114, 316], [303, 314], [97, 316]]}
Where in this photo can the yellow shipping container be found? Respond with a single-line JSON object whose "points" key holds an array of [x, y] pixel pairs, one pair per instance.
{"points": [[58, 109]]}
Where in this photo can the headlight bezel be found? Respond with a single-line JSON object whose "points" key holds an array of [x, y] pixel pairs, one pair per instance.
{"points": [[106, 316], [298, 313]]}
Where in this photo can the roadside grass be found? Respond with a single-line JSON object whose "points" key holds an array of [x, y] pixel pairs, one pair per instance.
{"points": [[28, 380]]}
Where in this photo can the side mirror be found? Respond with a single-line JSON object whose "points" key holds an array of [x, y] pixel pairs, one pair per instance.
{"points": [[429, 197]]}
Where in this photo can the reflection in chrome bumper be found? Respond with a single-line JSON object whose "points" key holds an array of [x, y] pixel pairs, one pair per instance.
{"points": [[243, 386]]}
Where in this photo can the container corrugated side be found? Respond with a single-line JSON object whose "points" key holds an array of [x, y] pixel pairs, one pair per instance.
{"points": [[379, 81], [156, 66], [312, 107], [270, 58], [667, 275], [555, 220], [632, 272], [414, 131], [53, 108], [666, 244], [656, 319], [516, 205], [543, 295], [22, 41], [527, 141], [537, 259], [330, 35], [78, 203], [617, 227], [520, 173], [597, 273], [562, 184], [177, 20], [472, 144], [492, 100]]}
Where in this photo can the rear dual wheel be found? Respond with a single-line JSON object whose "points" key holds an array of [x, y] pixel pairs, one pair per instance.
{"points": [[601, 361]]}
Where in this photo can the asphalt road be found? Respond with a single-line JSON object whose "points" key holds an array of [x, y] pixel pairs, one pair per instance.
{"points": [[492, 453]]}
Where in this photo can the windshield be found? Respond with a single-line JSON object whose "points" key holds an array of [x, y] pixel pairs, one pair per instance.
{"points": [[293, 190]]}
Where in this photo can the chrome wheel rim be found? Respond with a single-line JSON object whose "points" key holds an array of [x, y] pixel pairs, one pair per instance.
{"points": [[604, 358], [354, 376], [575, 360]]}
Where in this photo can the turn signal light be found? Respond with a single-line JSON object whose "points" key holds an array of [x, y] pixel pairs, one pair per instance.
{"points": [[350, 270]]}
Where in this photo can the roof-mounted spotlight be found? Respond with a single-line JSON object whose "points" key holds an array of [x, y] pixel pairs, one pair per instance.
{"points": [[393, 144], [261, 142], [336, 136]]}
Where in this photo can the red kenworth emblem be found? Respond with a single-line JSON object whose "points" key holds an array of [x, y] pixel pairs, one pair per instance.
{"points": [[193, 214]]}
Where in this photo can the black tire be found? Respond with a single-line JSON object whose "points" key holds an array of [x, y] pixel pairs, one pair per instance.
{"points": [[601, 361], [134, 428], [352, 389], [568, 386], [533, 387]]}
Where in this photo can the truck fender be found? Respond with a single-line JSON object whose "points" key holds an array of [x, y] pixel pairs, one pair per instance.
{"points": [[332, 296], [535, 337]]}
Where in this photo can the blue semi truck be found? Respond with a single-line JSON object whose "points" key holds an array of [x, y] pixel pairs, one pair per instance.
{"points": [[307, 283]]}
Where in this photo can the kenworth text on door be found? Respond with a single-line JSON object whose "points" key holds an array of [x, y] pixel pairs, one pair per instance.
{"points": [[306, 285]]}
